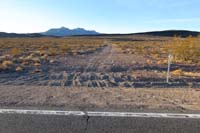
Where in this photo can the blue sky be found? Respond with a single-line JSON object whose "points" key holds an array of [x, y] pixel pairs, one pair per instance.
{"points": [[105, 16]]}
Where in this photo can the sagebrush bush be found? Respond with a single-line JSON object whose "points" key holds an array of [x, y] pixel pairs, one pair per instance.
{"points": [[186, 50], [15, 51]]}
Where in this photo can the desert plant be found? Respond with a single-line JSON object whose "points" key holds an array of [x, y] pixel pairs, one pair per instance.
{"points": [[64, 48], [19, 69], [52, 52], [185, 50], [15, 51]]}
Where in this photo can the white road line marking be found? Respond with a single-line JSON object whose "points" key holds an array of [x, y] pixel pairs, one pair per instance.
{"points": [[100, 114], [41, 112]]}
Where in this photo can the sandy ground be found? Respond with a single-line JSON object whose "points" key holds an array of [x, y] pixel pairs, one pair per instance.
{"points": [[123, 98]]}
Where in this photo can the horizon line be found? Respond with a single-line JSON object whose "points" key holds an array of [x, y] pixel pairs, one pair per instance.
{"points": [[103, 33]]}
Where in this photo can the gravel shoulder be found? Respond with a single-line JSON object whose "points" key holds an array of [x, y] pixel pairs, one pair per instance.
{"points": [[179, 100]]}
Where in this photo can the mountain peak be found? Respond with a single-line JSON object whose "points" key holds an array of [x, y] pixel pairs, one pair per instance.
{"points": [[63, 31], [79, 28], [64, 28]]}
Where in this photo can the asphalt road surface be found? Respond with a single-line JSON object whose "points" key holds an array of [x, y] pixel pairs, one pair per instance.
{"points": [[93, 122]]}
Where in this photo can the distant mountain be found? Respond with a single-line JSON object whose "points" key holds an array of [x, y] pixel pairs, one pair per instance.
{"points": [[61, 32], [4, 34]]}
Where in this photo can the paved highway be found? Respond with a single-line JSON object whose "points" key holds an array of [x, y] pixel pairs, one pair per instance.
{"points": [[37, 121]]}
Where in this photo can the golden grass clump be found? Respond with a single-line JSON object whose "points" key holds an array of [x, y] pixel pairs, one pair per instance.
{"points": [[36, 64], [64, 48], [19, 69], [177, 72], [192, 74], [52, 52], [15, 51], [7, 63]]}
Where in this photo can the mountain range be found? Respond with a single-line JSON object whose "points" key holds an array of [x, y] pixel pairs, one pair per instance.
{"points": [[63, 32]]}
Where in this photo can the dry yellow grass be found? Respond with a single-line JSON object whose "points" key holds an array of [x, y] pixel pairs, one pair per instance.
{"points": [[14, 51], [7, 63], [19, 69], [35, 51], [184, 50], [177, 72], [37, 64], [192, 74], [180, 72]]}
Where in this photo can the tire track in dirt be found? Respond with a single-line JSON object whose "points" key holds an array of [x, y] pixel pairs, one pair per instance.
{"points": [[97, 73], [99, 60], [95, 64], [106, 59]]}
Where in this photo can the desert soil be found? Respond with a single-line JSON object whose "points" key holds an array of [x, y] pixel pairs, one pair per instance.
{"points": [[108, 67], [83, 98]]}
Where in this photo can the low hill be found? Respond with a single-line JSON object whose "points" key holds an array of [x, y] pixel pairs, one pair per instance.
{"points": [[166, 33], [4, 34], [171, 33]]}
